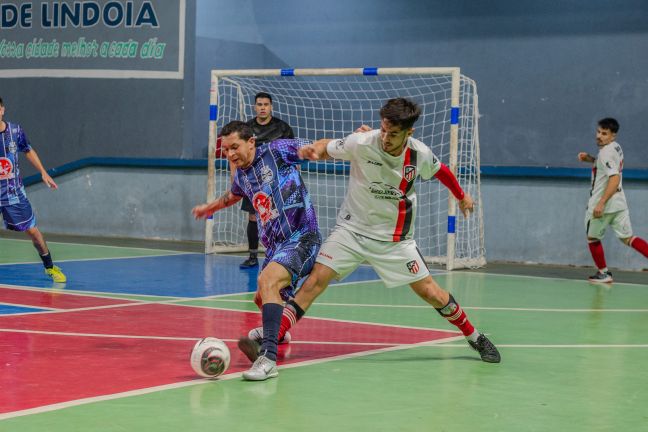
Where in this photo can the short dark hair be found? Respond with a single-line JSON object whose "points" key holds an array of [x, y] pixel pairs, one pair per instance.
{"points": [[610, 124], [1, 102], [263, 95], [400, 112], [244, 130]]}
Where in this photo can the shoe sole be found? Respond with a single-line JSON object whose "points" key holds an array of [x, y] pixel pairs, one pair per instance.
{"points": [[272, 375], [249, 347], [600, 281]]}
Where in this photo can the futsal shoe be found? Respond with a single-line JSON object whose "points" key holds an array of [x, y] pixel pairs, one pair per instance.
{"points": [[257, 335], [486, 349], [262, 369], [56, 274], [604, 277], [249, 263], [249, 347]]}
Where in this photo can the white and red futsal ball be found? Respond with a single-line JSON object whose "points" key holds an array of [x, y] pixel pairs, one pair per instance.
{"points": [[210, 357]]}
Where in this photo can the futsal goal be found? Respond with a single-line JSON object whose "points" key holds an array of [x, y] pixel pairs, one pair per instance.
{"points": [[323, 103]]}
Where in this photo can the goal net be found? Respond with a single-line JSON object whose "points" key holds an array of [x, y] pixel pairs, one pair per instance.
{"points": [[323, 103]]}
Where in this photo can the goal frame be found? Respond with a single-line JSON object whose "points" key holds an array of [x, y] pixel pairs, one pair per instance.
{"points": [[451, 262]]}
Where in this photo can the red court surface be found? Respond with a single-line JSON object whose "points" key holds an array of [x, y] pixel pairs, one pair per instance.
{"points": [[53, 300], [91, 353]]}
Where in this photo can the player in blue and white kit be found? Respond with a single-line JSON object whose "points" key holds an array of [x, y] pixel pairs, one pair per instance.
{"points": [[269, 178], [16, 210]]}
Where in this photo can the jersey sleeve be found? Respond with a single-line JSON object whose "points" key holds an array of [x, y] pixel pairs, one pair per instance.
{"points": [[611, 162], [288, 132], [430, 164], [343, 148], [288, 149], [22, 142]]}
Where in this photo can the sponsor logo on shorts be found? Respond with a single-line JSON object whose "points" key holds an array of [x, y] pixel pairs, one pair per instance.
{"points": [[325, 255], [413, 266], [6, 169], [409, 172], [371, 162]]}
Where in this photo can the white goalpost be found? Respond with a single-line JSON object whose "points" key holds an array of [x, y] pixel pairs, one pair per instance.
{"points": [[332, 103]]}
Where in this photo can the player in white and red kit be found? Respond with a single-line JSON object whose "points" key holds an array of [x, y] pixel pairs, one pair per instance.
{"points": [[607, 204], [376, 220]]}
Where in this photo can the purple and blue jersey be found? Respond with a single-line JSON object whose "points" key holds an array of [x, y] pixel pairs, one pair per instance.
{"points": [[12, 141], [275, 188]]}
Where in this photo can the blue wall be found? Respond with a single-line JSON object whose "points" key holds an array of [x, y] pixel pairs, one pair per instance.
{"points": [[546, 71]]}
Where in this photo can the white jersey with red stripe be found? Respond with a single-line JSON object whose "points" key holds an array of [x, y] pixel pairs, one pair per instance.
{"points": [[381, 199], [609, 162]]}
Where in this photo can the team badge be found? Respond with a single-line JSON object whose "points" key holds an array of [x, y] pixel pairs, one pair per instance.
{"points": [[6, 169], [409, 172], [262, 203], [12, 147], [339, 144], [266, 175], [413, 266]]}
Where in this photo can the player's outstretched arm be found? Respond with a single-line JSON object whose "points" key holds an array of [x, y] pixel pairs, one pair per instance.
{"points": [[203, 211], [449, 180], [315, 151], [586, 157], [33, 158]]}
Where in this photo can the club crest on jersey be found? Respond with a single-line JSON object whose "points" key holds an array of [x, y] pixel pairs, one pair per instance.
{"points": [[339, 144], [262, 203], [12, 147], [6, 169], [409, 172], [413, 266], [266, 175]]}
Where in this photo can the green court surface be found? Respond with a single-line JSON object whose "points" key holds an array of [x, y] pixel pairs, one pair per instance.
{"points": [[573, 359], [17, 251]]}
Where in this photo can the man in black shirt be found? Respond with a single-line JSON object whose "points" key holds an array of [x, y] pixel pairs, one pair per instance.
{"points": [[266, 129]]}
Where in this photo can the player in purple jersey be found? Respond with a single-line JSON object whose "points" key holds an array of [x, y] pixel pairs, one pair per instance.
{"points": [[269, 178], [16, 209], [266, 128]]}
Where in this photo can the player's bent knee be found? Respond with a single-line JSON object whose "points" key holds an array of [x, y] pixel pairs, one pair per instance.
{"points": [[627, 240]]}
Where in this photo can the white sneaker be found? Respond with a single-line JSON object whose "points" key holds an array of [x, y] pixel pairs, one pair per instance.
{"points": [[262, 369], [257, 335]]}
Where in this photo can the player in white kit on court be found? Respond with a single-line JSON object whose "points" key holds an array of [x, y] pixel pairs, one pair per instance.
{"points": [[376, 220]]}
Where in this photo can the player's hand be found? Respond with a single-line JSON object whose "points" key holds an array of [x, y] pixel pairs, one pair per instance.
{"points": [[364, 128], [598, 210], [201, 211], [583, 157], [49, 181], [308, 152], [466, 205]]}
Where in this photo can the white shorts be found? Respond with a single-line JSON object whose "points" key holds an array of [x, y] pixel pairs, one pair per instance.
{"points": [[619, 221], [397, 263]]}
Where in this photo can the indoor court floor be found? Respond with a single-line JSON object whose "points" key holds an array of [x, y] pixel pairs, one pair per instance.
{"points": [[109, 350]]}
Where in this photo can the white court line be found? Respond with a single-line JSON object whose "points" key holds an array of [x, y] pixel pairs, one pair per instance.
{"points": [[567, 346], [178, 338], [389, 306], [554, 278], [105, 259], [101, 246], [54, 407]]}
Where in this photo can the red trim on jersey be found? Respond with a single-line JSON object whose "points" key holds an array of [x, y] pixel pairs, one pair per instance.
{"points": [[445, 176], [402, 208]]}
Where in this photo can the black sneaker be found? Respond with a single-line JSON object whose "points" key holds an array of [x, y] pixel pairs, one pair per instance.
{"points": [[605, 277], [249, 263], [249, 347], [486, 349]]}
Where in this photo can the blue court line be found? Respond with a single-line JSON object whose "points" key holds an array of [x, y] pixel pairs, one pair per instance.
{"points": [[9, 309], [187, 275]]}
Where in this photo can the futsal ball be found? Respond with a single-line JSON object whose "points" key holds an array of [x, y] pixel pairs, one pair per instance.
{"points": [[210, 357]]}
